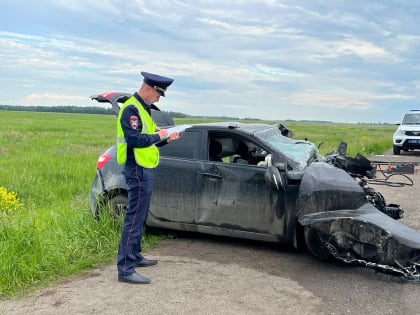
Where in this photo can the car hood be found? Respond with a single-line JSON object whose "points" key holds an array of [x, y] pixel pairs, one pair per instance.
{"points": [[409, 127]]}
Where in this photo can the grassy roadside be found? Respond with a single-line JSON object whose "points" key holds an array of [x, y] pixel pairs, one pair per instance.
{"points": [[48, 160]]}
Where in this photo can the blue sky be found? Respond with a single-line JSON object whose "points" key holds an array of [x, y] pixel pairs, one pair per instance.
{"points": [[343, 61]]}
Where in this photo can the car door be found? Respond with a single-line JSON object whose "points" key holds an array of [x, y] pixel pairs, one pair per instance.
{"points": [[235, 196], [176, 190]]}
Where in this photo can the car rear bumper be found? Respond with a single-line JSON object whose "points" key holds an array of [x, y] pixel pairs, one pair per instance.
{"points": [[96, 194]]}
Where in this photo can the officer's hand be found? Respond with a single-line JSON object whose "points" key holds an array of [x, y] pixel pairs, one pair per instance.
{"points": [[163, 133], [174, 136]]}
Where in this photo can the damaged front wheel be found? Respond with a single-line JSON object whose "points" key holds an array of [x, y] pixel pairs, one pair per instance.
{"points": [[315, 244]]}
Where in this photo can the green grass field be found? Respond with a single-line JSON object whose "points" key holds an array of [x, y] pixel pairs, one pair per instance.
{"points": [[48, 161]]}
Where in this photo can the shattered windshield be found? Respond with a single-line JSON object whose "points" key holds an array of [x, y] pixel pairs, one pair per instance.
{"points": [[411, 119], [300, 151]]}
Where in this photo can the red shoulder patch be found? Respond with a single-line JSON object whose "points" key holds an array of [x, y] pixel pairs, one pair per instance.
{"points": [[134, 122]]}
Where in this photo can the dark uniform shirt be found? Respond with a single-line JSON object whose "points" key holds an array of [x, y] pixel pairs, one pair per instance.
{"points": [[131, 124]]}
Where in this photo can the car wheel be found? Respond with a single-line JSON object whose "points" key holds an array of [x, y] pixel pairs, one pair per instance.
{"points": [[315, 244], [116, 206], [396, 150]]}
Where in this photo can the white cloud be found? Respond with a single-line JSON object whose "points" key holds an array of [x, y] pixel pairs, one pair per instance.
{"points": [[318, 100], [227, 57], [391, 97], [84, 6], [51, 99], [362, 49]]}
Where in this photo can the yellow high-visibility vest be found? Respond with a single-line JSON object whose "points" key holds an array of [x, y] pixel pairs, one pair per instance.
{"points": [[147, 157]]}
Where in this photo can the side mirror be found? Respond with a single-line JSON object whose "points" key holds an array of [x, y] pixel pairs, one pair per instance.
{"points": [[273, 177]]}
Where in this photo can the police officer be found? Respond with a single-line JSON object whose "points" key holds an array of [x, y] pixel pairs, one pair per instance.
{"points": [[137, 142]]}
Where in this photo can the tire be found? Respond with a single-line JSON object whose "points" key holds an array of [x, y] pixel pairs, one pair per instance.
{"points": [[396, 150], [116, 206], [300, 238], [315, 244]]}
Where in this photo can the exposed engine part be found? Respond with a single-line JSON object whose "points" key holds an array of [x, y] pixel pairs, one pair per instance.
{"points": [[362, 169], [378, 200]]}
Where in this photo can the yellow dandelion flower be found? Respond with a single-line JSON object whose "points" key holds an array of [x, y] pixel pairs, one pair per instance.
{"points": [[9, 201]]}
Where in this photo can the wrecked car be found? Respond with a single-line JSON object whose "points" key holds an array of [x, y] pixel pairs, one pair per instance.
{"points": [[254, 181]]}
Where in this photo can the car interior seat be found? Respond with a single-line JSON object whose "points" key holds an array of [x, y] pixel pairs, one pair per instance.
{"points": [[241, 153], [215, 150]]}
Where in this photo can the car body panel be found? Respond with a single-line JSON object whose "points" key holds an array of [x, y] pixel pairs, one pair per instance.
{"points": [[216, 198], [175, 199], [321, 181]]}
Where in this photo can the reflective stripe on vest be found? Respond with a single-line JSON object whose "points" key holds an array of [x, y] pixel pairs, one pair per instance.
{"points": [[146, 157]]}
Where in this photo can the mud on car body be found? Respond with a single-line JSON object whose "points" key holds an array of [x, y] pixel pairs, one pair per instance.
{"points": [[251, 181]]}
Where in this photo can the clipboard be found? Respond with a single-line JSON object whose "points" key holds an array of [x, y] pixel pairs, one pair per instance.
{"points": [[180, 129]]}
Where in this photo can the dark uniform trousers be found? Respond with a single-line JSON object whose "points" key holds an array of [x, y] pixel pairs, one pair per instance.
{"points": [[140, 186]]}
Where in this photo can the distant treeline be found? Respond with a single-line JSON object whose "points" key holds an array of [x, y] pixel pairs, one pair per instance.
{"points": [[108, 111], [93, 110], [59, 109], [182, 115]]}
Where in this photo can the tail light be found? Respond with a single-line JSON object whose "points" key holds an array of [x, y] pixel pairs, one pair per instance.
{"points": [[103, 160]]}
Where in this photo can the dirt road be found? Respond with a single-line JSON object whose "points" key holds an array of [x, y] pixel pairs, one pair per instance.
{"points": [[207, 275]]}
